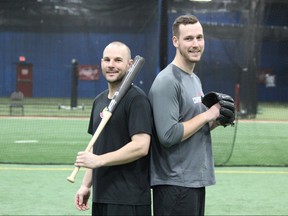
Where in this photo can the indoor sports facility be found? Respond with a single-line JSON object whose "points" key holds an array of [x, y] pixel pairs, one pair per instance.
{"points": [[50, 73]]}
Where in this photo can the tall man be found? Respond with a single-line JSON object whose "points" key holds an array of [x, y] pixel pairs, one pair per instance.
{"points": [[182, 160]]}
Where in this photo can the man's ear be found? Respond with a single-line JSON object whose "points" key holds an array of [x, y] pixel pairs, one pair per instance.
{"points": [[175, 41], [131, 61]]}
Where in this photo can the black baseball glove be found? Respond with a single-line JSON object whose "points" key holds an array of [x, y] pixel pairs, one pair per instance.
{"points": [[227, 110]]}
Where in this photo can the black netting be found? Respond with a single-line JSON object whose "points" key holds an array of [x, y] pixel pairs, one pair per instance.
{"points": [[246, 56]]}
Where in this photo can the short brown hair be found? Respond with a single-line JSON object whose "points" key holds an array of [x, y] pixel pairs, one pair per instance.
{"points": [[184, 19]]}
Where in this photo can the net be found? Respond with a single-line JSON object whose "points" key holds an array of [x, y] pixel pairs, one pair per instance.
{"points": [[45, 43]]}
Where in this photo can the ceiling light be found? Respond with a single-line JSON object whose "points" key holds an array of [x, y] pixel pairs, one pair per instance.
{"points": [[201, 0]]}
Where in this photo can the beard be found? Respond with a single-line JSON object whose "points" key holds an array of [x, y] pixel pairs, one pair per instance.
{"points": [[190, 59], [115, 80]]}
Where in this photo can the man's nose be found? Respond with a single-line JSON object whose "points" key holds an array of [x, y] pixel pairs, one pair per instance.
{"points": [[195, 42], [111, 63]]}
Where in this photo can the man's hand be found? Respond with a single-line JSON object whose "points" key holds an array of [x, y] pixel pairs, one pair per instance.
{"points": [[81, 198], [88, 160], [227, 110]]}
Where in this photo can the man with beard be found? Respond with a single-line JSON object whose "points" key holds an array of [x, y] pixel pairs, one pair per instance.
{"points": [[118, 168]]}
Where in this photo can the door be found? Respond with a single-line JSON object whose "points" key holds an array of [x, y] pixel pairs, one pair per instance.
{"points": [[24, 78]]}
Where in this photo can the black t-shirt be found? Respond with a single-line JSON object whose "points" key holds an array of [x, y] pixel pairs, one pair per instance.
{"points": [[128, 183]]}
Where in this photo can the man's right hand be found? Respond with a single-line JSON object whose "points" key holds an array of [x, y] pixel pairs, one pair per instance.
{"points": [[81, 198]]}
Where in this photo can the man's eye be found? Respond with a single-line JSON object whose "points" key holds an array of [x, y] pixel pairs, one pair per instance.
{"points": [[200, 38]]}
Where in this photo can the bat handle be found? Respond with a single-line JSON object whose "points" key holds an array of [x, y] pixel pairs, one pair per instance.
{"points": [[71, 178], [106, 117]]}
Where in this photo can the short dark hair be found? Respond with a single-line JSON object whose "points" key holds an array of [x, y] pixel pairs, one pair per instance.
{"points": [[184, 19]]}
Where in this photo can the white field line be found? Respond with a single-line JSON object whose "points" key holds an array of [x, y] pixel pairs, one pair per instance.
{"points": [[44, 168], [26, 141]]}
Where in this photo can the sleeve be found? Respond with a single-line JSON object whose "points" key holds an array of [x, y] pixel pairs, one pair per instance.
{"points": [[90, 126], [140, 116], [164, 97]]}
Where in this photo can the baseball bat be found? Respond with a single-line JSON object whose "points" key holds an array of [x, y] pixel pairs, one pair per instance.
{"points": [[107, 112]]}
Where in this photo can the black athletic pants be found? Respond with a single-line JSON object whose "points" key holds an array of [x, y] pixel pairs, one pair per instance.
{"points": [[175, 200], [104, 209]]}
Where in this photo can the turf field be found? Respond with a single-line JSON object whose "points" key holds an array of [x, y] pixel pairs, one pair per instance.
{"points": [[39, 149], [42, 140], [44, 190], [57, 140]]}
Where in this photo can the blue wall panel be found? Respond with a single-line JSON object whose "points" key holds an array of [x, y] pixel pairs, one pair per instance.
{"points": [[51, 55]]}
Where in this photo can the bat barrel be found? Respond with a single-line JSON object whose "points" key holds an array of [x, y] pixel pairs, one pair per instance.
{"points": [[127, 81]]}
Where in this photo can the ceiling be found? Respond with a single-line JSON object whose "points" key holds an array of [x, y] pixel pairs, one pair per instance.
{"points": [[76, 14], [107, 15]]}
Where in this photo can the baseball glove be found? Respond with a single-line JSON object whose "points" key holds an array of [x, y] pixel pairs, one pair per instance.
{"points": [[227, 110]]}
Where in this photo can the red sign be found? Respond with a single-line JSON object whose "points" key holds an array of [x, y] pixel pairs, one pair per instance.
{"points": [[88, 72]]}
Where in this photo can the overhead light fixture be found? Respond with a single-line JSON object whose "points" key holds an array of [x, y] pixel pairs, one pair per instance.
{"points": [[201, 0]]}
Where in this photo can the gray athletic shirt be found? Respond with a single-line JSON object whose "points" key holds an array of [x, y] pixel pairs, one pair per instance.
{"points": [[176, 97]]}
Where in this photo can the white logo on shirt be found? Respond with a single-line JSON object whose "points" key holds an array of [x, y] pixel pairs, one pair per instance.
{"points": [[197, 100]]}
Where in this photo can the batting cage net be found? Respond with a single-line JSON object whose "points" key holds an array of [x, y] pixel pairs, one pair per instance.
{"points": [[50, 71]]}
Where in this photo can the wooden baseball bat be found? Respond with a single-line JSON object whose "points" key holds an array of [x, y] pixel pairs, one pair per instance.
{"points": [[107, 113]]}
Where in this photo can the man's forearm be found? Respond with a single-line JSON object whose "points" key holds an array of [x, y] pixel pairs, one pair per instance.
{"points": [[87, 179]]}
